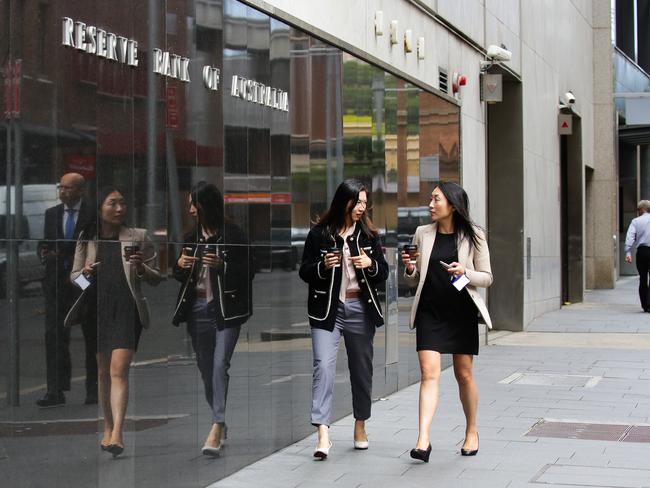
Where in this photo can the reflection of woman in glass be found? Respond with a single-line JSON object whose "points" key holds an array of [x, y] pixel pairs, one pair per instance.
{"points": [[214, 299], [452, 250], [343, 264], [115, 260]]}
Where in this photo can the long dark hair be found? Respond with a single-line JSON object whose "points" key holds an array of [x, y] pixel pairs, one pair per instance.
{"points": [[208, 201], [334, 219], [93, 229], [464, 227]]}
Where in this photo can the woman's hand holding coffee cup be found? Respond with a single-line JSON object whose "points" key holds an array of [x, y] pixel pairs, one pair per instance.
{"points": [[409, 257], [332, 258], [186, 260], [136, 258]]}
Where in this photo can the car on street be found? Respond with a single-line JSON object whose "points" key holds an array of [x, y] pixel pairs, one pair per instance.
{"points": [[35, 200]]}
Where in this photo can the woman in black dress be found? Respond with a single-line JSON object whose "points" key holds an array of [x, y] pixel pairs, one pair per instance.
{"points": [[111, 261], [453, 251]]}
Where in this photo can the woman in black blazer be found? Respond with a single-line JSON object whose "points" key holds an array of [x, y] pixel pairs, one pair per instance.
{"points": [[343, 263], [214, 298]]}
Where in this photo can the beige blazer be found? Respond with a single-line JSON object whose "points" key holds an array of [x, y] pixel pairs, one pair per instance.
{"points": [[475, 260], [86, 254]]}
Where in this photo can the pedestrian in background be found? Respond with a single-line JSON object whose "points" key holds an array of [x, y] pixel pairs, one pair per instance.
{"points": [[63, 223], [343, 263], [453, 260], [111, 262], [215, 298], [638, 234]]}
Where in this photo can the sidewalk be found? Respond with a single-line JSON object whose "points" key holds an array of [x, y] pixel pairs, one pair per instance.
{"points": [[587, 398]]}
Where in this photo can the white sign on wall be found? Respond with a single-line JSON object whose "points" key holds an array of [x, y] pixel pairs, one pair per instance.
{"points": [[565, 124], [491, 88]]}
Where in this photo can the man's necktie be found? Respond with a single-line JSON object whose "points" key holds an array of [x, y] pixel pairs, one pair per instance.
{"points": [[68, 231]]}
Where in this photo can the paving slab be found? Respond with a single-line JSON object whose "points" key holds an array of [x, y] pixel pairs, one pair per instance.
{"points": [[605, 337]]}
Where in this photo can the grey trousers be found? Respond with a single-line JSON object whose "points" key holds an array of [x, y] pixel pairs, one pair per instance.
{"points": [[358, 333], [214, 349]]}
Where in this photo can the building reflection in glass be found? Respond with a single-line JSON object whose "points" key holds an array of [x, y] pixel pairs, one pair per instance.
{"points": [[276, 171]]}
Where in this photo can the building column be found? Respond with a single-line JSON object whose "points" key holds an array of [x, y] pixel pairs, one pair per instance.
{"points": [[602, 229]]}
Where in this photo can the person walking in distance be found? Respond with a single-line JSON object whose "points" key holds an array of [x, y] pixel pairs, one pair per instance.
{"points": [[638, 234], [63, 223], [343, 263]]}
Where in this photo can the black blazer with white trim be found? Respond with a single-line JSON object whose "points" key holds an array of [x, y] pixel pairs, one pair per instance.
{"points": [[325, 284], [231, 285]]}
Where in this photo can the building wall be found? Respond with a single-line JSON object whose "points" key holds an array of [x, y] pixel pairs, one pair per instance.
{"points": [[553, 52], [277, 171]]}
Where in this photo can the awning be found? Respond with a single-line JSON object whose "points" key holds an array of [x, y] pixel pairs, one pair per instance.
{"points": [[63, 135], [634, 134]]}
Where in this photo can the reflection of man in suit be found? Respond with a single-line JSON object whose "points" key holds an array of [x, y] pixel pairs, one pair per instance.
{"points": [[63, 223]]}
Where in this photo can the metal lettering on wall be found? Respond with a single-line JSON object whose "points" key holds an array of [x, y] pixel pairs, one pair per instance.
{"points": [[171, 65], [93, 40], [256, 92]]}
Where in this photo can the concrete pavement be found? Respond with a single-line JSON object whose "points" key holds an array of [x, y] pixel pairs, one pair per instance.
{"points": [[565, 404]]}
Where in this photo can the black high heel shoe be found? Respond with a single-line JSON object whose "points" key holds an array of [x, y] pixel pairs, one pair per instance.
{"points": [[115, 449], [470, 452], [421, 454]]}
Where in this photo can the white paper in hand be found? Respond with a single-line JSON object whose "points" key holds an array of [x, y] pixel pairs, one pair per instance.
{"points": [[82, 282], [460, 282]]}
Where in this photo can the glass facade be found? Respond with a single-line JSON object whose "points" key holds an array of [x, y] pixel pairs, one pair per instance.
{"points": [[302, 115]]}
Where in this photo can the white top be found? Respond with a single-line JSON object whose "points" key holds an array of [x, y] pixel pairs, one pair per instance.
{"points": [[349, 279], [203, 281], [638, 234]]}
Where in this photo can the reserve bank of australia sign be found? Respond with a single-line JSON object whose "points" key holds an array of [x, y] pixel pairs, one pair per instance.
{"points": [[99, 42]]}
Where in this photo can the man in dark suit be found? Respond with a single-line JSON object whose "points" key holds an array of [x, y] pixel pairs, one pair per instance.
{"points": [[63, 223]]}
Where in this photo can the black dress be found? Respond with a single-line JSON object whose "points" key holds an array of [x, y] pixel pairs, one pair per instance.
{"points": [[447, 319], [118, 322]]}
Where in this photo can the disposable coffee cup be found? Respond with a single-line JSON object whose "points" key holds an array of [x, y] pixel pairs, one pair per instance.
{"points": [[337, 252], [130, 250], [411, 250]]}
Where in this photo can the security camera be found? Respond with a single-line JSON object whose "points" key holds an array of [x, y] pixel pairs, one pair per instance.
{"points": [[568, 98], [497, 53]]}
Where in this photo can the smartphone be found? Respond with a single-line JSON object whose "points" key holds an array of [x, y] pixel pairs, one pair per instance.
{"points": [[445, 265], [210, 249]]}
